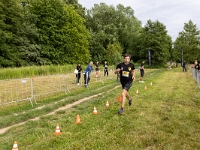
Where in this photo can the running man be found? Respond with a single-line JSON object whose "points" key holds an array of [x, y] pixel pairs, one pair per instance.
{"points": [[127, 75]]}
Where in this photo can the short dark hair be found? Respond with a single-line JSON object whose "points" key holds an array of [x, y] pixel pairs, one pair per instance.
{"points": [[127, 55]]}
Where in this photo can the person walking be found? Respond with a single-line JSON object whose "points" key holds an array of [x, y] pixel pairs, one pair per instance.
{"points": [[127, 75], [97, 69], [142, 72], [105, 68], [78, 75], [86, 73], [184, 66]]}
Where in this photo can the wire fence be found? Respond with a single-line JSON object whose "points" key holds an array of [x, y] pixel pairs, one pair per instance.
{"points": [[196, 76], [38, 87]]}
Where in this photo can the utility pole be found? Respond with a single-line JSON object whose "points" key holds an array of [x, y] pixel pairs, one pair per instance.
{"points": [[181, 56], [149, 57]]}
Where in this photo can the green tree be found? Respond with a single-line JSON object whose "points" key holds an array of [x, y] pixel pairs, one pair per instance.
{"points": [[30, 37], [63, 36], [114, 52], [128, 28], [154, 37], [78, 7], [109, 25], [11, 20], [188, 41]]}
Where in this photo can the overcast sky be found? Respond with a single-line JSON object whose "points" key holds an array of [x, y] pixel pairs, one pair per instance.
{"points": [[172, 13]]}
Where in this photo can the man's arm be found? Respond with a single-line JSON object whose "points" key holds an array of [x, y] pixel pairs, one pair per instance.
{"points": [[133, 74], [117, 70]]}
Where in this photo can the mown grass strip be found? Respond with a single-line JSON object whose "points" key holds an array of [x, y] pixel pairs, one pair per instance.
{"points": [[164, 116]]}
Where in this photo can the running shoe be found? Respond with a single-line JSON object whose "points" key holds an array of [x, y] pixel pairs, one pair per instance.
{"points": [[130, 101], [120, 111]]}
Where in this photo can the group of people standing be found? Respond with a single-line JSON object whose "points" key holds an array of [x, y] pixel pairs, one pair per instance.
{"points": [[88, 70]]}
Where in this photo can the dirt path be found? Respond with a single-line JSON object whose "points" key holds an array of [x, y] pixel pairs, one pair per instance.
{"points": [[3, 130]]}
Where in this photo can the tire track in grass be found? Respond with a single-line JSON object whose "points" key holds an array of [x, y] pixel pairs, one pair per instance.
{"points": [[3, 130]]}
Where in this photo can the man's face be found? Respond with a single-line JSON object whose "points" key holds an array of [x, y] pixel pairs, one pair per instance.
{"points": [[127, 59]]}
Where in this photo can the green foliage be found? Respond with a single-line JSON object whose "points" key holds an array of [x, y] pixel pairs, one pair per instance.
{"points": [[113, 53], [154, 37], [10, 33], [167, 120], [78, 7], [63, 36], [24, 72], [39, 32], [110, 25], [44, 32], [188, 41]]}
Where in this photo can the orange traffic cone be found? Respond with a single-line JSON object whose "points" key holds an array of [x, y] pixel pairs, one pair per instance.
{"points": [[15, 147], [119, 98], [95, 111], [78, 120], [150, 83], [145, 87], [137, 92], [107, 104], [57, 132]]}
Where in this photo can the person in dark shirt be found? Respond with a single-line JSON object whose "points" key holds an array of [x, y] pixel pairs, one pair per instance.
{"points": [[87, 72], [199, 66], [97, 69], [142, 72], [184, 66], [105, 68], [78, 75], [127, 75]]}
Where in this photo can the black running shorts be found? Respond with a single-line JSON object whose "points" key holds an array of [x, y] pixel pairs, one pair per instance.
{"points": [[126, 85], [142, 73]]}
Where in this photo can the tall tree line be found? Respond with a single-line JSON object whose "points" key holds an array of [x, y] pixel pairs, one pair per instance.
{"points": [[39, 32], [187, 45], [43, 32]]}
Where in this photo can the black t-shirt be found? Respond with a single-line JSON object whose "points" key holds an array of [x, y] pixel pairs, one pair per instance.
{"points": [[141, 67], [126, 71], [97, 67], [196, 66], [79, 69], [184, 64], [106, 66]]}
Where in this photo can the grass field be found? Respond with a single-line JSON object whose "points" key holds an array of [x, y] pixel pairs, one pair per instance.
{"points": [[164, 116]]}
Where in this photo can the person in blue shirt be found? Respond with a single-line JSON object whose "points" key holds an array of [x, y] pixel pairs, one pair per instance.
{"points": [[87, 72]]}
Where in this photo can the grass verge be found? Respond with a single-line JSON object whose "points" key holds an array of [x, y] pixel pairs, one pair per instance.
{"points": [[164, 116]]}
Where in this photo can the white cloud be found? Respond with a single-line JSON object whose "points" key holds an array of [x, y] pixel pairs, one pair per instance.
{"points": [[173, 14]]}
